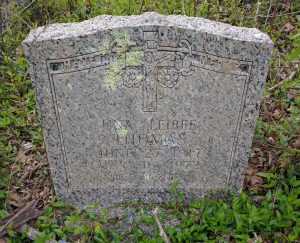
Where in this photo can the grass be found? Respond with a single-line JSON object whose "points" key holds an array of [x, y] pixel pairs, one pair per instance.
{"points": [[268, 208]]}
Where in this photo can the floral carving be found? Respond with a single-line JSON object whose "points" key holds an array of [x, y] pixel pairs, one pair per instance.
{"points": [[133, 77], [167, 77]]}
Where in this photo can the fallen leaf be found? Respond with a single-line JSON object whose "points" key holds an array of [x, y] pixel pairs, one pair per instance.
{"points": [[247, 181], [16, 196], [15, 199], [250, 170], [24, 148], [31, 117], [276, 113], [226, 237], [256, 181], [288, 27], [254, 160], [258, 199]]}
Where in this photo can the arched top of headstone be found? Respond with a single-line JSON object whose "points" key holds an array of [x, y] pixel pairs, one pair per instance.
{"points": [[109, 22]]}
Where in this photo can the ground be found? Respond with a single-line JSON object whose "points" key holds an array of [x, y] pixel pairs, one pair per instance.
{"points": [[267, 210]]}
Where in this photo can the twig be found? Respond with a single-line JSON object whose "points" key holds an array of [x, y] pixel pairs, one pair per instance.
{"points": [[142, 5], [29, 173], [18, 17], [19, 217], [183, 7], [277, 15], [256, 14], [282, 127], [22, 11], [286, 67], [270, 158], [28, 6], [194, 9], [255, 235], [291, 13], [286, 79], [278, 55], [25, 75], [269, 10], [288, 121], [25, 147], [31, 233], [162, 233], [129, 7], [275, 86]]}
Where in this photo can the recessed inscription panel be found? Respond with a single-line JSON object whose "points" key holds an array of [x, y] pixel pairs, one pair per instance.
{"points": [[149, 110]]}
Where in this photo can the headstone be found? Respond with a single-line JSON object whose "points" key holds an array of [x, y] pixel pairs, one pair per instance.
{"points": [[131, 104]]}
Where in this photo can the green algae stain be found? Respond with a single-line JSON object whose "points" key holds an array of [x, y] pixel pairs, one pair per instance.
{"points": [[122, 45]]}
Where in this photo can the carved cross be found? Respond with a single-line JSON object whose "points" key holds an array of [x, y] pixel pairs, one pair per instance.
{"points": [[162, 66]]}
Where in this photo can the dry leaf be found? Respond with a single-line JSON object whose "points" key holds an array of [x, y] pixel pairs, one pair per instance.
{"points": [[16, 196], [247, 181], [31, 117], [288, 27], [250, 170], [256, 180], [254, 160], [25, 147], [15, 199]]}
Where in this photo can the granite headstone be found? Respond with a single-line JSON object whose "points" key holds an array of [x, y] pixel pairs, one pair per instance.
{"points": [[130, 104]]}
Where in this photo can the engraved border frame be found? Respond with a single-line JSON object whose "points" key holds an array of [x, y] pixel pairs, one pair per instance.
{"points": [[237, 129]]}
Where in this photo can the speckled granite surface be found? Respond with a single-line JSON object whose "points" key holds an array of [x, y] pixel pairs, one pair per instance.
{"points": [[130, 104]]}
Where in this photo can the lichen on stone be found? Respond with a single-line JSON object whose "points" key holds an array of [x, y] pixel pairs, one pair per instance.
{"points": [[113, 74], [146, 176], [122, 39], [139, 78], [134, 58], [122, 45], [104, 48], [121, 130]]}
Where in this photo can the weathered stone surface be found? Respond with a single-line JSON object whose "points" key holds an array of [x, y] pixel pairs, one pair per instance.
{"points": [[130, 104]]}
